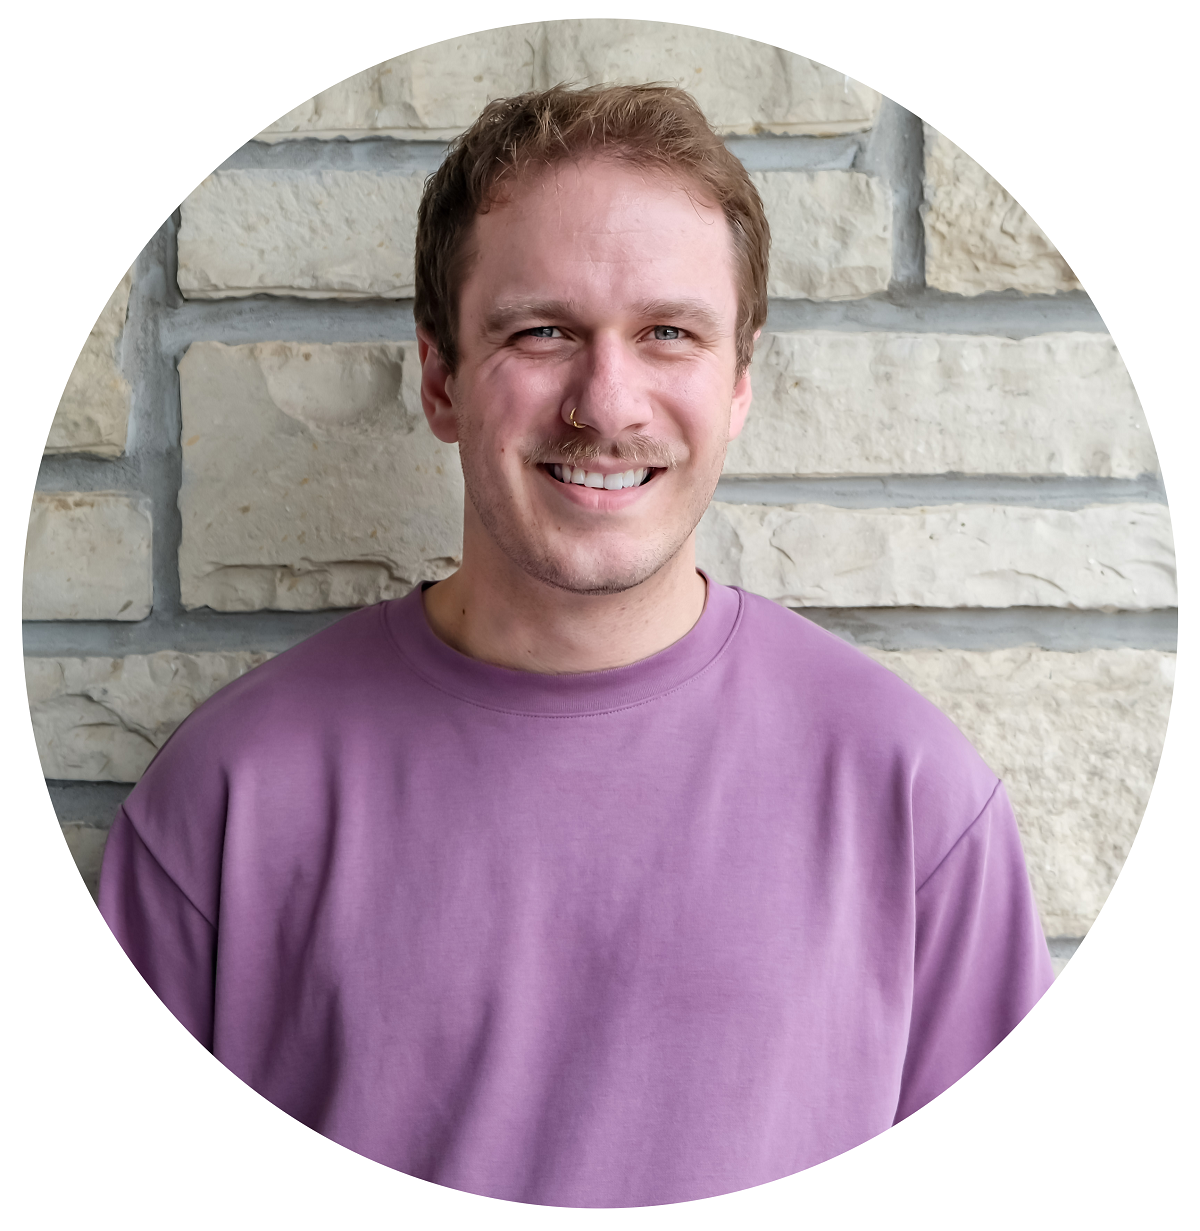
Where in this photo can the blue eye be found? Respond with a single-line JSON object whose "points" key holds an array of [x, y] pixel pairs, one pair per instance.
{"points": [[665, 333], [542, 331]]}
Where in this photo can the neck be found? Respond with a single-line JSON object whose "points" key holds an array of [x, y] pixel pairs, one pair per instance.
{"points": [[492, 611]]}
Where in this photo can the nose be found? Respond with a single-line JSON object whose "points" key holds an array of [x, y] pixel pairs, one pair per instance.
{"points": [[612, 397]]}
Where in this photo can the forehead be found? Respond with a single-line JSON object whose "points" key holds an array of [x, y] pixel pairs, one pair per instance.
{"points": [[602, 226]]}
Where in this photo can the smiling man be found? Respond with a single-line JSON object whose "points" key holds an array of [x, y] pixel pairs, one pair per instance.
{"points": [[577, 878], [592, 365]]}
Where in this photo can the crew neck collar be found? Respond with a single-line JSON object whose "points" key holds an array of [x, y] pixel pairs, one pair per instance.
{"points": [[590, 692]]}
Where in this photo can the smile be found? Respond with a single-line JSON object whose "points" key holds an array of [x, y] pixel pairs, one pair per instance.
{"points": [[593, 478]]}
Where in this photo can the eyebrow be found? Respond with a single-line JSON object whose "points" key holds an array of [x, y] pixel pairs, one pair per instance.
{"points": [[501, 318], [686, 309]]}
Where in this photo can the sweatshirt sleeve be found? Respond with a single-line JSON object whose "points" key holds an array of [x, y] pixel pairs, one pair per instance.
{"points": [[162, 932], [981, 960]]}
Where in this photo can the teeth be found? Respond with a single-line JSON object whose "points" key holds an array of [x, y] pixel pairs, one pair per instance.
{"points": [[593, 478]]}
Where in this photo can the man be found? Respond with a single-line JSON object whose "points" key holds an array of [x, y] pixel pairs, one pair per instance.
{"points": [[577, 878]]}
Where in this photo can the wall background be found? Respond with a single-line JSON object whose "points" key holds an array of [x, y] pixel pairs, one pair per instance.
{"points": [[945, 462]]}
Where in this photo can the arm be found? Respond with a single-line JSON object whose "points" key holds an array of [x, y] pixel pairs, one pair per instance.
{"points": [[162, 932], [981, 960]]}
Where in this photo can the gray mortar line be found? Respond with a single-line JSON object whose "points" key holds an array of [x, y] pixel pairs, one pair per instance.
{"points": [[86, 803], [270, 318], [768, 152], [158, 445], [264, 318], [914, 491], [135, 474], [64, 472], [894, 152], [898, 628], [973, 628], [187, 631], [1005, 314], [797, 153], [382, 154]]}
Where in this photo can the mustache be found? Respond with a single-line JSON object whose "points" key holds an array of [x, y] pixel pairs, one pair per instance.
{"points": [[636, 451]]}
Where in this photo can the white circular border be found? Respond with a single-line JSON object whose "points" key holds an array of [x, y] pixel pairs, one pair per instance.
{"points": [[112, 1113]]}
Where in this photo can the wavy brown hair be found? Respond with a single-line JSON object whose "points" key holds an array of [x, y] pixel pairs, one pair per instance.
{"points": [[653, 126]]}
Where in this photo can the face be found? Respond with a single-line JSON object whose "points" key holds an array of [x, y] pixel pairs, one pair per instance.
{"points": [[604, 296]]}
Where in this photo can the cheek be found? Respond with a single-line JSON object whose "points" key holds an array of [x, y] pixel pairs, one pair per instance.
{"points": [[701, 406], [519, 401]]}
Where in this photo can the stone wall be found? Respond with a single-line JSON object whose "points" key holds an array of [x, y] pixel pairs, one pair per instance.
{"points": [[946, 462]]}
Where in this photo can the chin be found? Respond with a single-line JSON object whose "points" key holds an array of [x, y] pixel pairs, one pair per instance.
{"points": [[599, 563], [599, 573]]}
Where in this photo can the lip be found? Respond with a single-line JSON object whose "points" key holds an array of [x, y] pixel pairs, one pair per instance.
{"points": [[598, 499]]}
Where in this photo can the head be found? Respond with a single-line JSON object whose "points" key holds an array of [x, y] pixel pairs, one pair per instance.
{"points": [[590, 278]]}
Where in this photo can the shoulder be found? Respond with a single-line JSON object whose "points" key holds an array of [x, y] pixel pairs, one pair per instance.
{"points": [[810, 663], [324, 663], [282, 709], [865, 720], [268, 733]]}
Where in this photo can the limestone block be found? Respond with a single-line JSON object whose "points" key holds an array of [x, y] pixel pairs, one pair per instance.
{"points": [[310, 478], [1112, 556], [429, 94], [93, 412], [977, 238], [436, 91], [103, 719], [742, 86], [839, 403], [87, 557], [315, 234], [1076, 737], [831, 233]]}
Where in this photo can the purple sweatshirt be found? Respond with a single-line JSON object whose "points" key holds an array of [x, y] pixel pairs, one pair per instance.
{"points": [[620, 938]]}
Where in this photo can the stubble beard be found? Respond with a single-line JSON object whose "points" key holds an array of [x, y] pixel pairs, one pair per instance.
{"points": [[534, 555]]}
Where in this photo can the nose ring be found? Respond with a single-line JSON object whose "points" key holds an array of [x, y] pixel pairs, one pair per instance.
{"points": [[571, 417]]}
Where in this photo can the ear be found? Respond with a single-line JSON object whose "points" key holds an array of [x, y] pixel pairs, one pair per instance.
{"points": [[741, 400], [437, 389]]}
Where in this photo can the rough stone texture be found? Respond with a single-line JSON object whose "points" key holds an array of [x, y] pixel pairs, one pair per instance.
{"points": [[103, 719], [435, 92], [87, 557], [977, 238], [1116, 556], [316, 234], [831, 233], [86, 844], [1076, 738], [742, 86], [310, 478], [835, 403], [93, 413]]}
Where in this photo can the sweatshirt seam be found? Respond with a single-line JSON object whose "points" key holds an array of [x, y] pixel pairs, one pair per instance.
{"points": [[954, 845], [187, 897], [597, 713]]}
